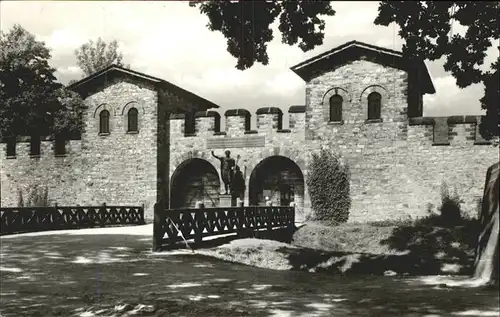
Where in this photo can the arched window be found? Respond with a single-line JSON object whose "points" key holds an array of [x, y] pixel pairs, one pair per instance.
{"points": [[11, 147], [189, 123], [133, 123], [60, 145], [336, 108], [104, 122], [35, 145], [374, 105]]}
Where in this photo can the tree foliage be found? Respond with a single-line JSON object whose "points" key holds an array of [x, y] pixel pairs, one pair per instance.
{"points": [[31, 101], [68, 119], [247, 25], [329, 189], [92, 56], [427, 28]]}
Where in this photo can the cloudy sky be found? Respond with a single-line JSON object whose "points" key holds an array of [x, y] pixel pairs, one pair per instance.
{"points": [[170, 40]]}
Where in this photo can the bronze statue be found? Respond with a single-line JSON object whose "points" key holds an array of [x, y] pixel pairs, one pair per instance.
{"points": [[227, 165]]}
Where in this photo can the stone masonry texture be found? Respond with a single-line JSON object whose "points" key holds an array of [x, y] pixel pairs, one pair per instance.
{"points": [[116, 169], [397, 163]]}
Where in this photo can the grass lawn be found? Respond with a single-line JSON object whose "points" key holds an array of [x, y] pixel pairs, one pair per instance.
{"points": [[348, 237], [111, 272]]}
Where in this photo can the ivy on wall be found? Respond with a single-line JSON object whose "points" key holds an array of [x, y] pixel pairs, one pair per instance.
{"points": [[328, 185]]}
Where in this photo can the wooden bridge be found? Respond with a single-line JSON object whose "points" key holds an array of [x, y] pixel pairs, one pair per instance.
{"points": [[174, 225]]}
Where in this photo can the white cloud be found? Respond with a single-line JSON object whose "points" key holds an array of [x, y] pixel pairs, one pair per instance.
{"points": [[219, 80], [284, 83], [63, 39], [394, 43], [352, 19], [170, 40], [453, 100], [71, 70]]}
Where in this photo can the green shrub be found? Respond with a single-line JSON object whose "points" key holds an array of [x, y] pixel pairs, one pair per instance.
{"points": [[20, 200], [450, 206], [38, 196], [328, 187]]}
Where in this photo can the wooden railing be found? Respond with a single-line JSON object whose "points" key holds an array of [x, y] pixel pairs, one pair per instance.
{"points": [[29, 219], [173, 225]]}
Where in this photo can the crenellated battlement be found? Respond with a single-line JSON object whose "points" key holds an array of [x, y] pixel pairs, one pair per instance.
{"points": [[44, 147], [439, 131], [237, 122], [453, 130], [362, 102], [270, 118]]}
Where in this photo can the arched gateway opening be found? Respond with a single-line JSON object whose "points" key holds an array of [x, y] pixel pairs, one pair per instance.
{"points": [[278, 178], [194, 180]]}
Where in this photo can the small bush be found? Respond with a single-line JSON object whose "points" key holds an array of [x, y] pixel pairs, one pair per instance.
{"points": [[38, 196], [20, 200], [328, 186], [450, 206]]}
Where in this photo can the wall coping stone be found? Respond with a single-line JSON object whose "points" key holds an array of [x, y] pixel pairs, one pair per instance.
{"points": [[449, 120], [269, 110], [297, 109], [208, 113], [237, 113], [462, 119], [27, 139], [421, 121]]}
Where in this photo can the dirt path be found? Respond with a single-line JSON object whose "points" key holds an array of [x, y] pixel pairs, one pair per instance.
{"points": [[82, 274]]}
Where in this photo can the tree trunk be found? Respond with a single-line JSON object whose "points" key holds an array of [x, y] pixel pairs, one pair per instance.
{"points": [[487, 261]]}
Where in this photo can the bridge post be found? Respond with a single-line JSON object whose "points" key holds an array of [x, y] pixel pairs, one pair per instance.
{"points": [[269, 218], [55, 217], [240, 215], [291, 225], [199, 223], [158, 222], [142, 221]]}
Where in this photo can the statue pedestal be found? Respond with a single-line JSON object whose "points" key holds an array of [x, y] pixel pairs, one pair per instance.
{"points": [[226, 200]]}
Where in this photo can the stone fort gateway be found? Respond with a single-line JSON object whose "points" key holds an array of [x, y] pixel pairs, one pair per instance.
{"points": [[147, 139]]}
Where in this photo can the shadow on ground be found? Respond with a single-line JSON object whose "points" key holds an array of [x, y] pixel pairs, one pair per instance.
{"points": [[413, 249], [67, 275], [438, 246]]}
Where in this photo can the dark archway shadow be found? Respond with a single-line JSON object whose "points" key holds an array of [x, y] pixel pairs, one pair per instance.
{"points": [[277, 176], [194, 180]]}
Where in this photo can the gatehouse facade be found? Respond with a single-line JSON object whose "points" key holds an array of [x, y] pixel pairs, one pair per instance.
{"points": [[146, 139]]}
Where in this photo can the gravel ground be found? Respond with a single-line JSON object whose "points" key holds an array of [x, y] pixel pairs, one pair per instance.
{"points": [[112, 272]]}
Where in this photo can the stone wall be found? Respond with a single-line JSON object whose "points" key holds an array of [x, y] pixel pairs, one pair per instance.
{"points": [[120, 168], [117, 169], [251, 145], [61, 175], [398, 163]]}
